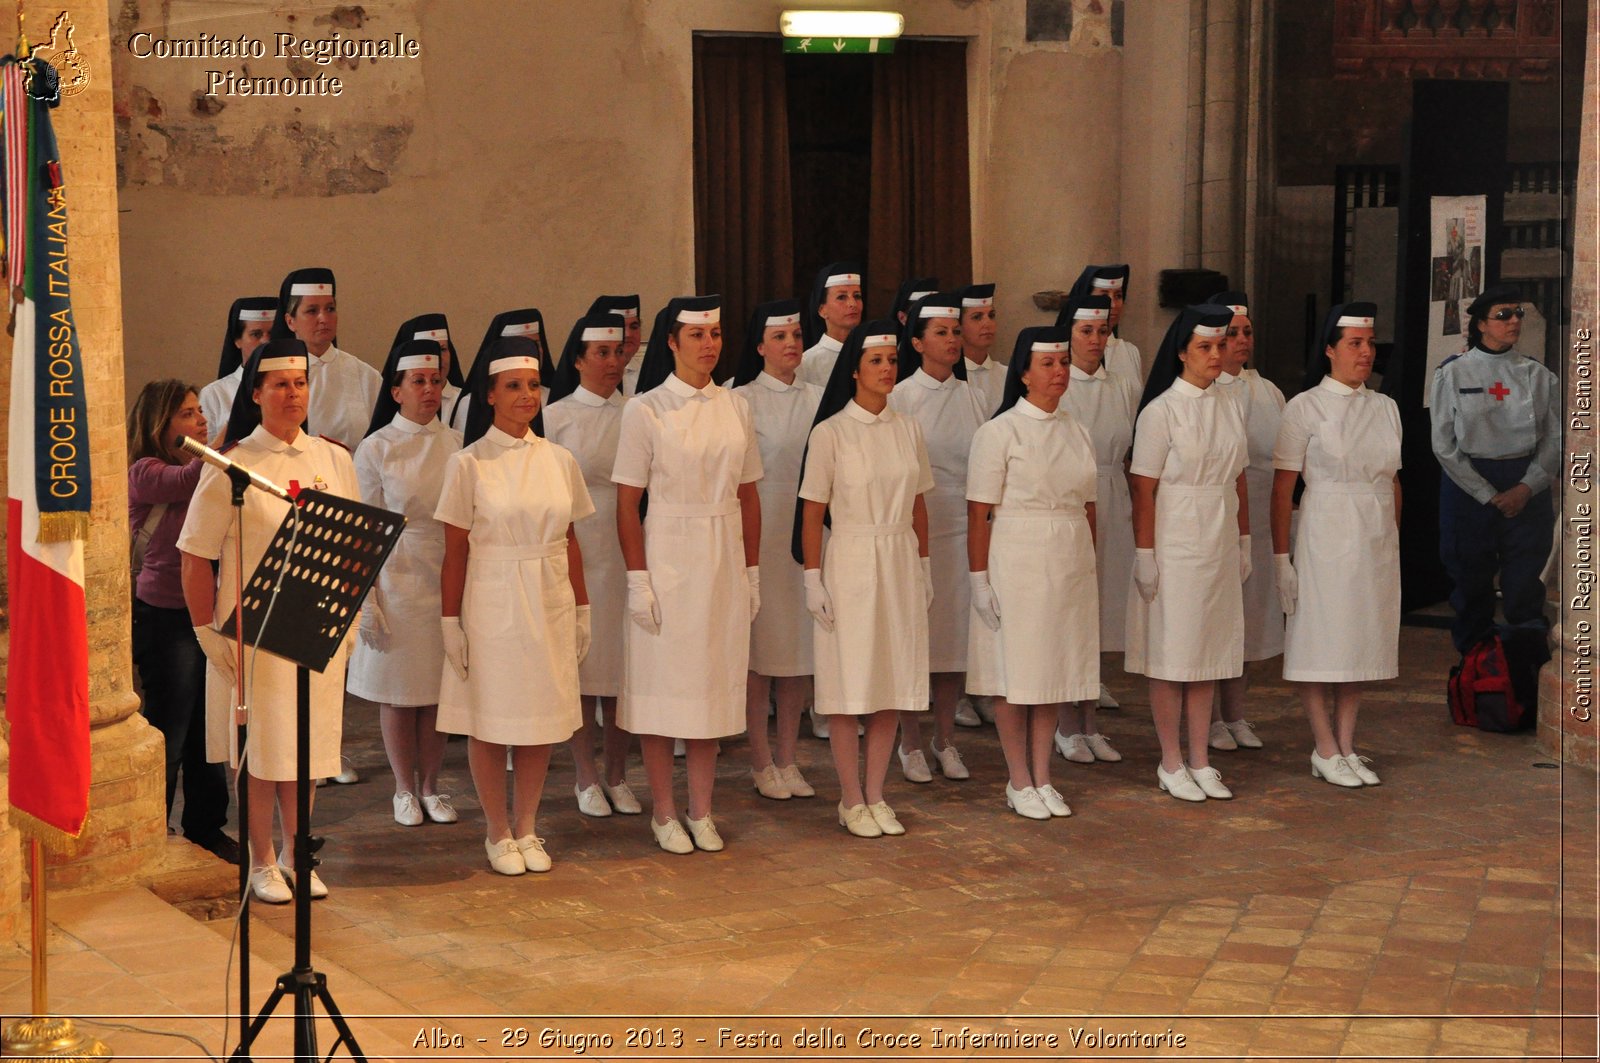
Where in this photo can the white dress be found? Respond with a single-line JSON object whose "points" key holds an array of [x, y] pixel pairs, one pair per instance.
{"points": [[588, 426], [1193, 441], [1346, 624], [1124, 360], [401, 468], [988, 383], [780, 637], [216, 400], [948, 415], [869, 469], [516, 498], [1104, 404], [1260, 406], [691, 449], [1038, 470], [447, 404], [309, 463], [344, 389], [816, 364]]}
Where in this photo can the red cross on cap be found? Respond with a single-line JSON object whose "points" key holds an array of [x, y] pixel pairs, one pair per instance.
{"points": [[1499, 391]]}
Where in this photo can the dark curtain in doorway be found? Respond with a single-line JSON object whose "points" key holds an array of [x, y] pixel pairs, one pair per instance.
{"points": [[921, 212], [744, 244]]}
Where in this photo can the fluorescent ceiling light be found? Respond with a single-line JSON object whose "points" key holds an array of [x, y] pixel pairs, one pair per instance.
{"points": [[880, 24]]}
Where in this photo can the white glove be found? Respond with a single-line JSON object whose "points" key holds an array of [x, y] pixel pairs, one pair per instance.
{"points": [[455, 644], [374, 625], [1246, 566], [818, 600], [927, 583], [983, 600], [1146, 574], [752, 575], [585, 637], [218, 649], [1288, 583], [642, 604]]}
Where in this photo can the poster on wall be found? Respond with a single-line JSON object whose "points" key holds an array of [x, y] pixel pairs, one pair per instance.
{"points": [[1456, 271]]}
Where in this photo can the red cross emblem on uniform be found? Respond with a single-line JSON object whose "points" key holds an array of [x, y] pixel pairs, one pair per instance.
{"points": [[1499, 391]]}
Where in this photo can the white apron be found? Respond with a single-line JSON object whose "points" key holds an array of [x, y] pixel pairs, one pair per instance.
{"points": [[1346, 623], [1038, 470], [1104, 403], [780, 637], [343, 391], [310, 464], [516, 498], [588, 426], [691, 449], [948, 414], [1193, 441], [401, 468], [1260, 405], [869, 469]]}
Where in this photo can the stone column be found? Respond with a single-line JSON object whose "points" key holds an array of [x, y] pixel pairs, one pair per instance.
{"points": [[126, 830], [1571, 673]]}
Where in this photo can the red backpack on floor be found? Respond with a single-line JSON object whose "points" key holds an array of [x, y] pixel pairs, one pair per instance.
{"points": [[1482, 694]]}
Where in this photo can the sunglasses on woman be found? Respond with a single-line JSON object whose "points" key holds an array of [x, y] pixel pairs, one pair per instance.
{"points": [[1508, 314]]}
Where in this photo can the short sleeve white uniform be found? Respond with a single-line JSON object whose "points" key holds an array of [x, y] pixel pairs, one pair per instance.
{"points": [[516, 498], [216, 400], [1260, 406], [816, 364], [307, 464], [401, 468], [780, 637], [691, 449], [1192, 440], [1103, 403], [1038, 470], [1346, 624], [948, 414], [588, 426], [344, 389], [869, 469]]}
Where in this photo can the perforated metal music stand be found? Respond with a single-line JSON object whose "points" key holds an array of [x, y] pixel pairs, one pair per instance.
{"points": [[321, 568]]}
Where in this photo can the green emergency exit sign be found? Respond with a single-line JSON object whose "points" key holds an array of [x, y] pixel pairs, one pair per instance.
{"points": [[838, 45]]}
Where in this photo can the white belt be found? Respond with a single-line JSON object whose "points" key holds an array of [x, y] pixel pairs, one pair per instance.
{"points": [[871, 530], [529, 552], [701, 509], [1380, 489], [1196, 490]]}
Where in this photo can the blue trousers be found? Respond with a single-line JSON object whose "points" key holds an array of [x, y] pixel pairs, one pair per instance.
{"points": [[172, 671], [1477, 541]]}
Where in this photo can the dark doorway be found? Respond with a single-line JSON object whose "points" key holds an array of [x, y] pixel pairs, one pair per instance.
{"points": [[830, 158]]}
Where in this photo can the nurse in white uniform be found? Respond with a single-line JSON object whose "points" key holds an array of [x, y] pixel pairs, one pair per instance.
{"points": [[398, 660], [526, 323], [1191, 533], [585, 416], [932, 392], [694, 577], [627, 308], [833, 310], [1341, 586], [436, 327], [1260, 405], [1034, 645], [266, 435], [866, 470], [515, 613], [1103, 403], [783, 408], [986, 375], [344, 389], [249, 326]]}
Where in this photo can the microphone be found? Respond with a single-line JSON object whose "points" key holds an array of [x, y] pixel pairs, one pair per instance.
{"points": [[232, 468]]}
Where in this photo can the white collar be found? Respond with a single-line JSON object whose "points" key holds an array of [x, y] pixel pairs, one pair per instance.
{"points": [[682, 388], [1030, 410], [1327, 383], [976, 367], [1226, 378], [1098, 374], [1183, 387], [267, 441], [325, 358], [506, 440], [412, 428], [828, 343], [589, 398], [860, 413], [772, 383], [922, 377]]}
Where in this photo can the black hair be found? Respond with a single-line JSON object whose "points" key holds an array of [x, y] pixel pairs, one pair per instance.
{"points": [[231, 357], [1317, 363], [1168, 367], [245, 416], [811, 323], [916, 325], [566, 378], [480, 415], [432, 323], [1084, 285], [386, 407], [309, 275], [750, 361], [659, 361], [1022, 360]]}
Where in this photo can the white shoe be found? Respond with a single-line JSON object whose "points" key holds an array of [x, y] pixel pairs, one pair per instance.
{"points": [[671, 837], [534, 858], [1244, 734], [769, 783], [914, 766], [1358, 764], [621, 797], [407, 812], [966, 715], [798, 787], [950, 765], [1054, 801], [1106, 700], [885, 818], [1221, 737], [985, 707], [268, 885], [347, 773], [678, 748], [505, 857], [819, 724], [1100, 746], [1073, 748], [1179, 784], [1334, 769], [439, 808], [591, 801], [705, 834], [1210, 780], [318, 890], [1026, 802], [858, 821]]}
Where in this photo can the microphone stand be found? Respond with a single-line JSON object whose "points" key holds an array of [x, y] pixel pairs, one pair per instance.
{"points": [[239, 482]]}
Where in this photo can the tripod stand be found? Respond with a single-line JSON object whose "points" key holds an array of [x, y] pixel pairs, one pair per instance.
{"points": [[298, 605]]}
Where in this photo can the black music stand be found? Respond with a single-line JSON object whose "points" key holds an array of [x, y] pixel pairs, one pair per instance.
{"points": [[326, 562]]}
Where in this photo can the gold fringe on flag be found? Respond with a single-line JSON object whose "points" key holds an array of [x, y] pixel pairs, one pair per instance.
{"points": [[53, 838], [63, 527]]}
